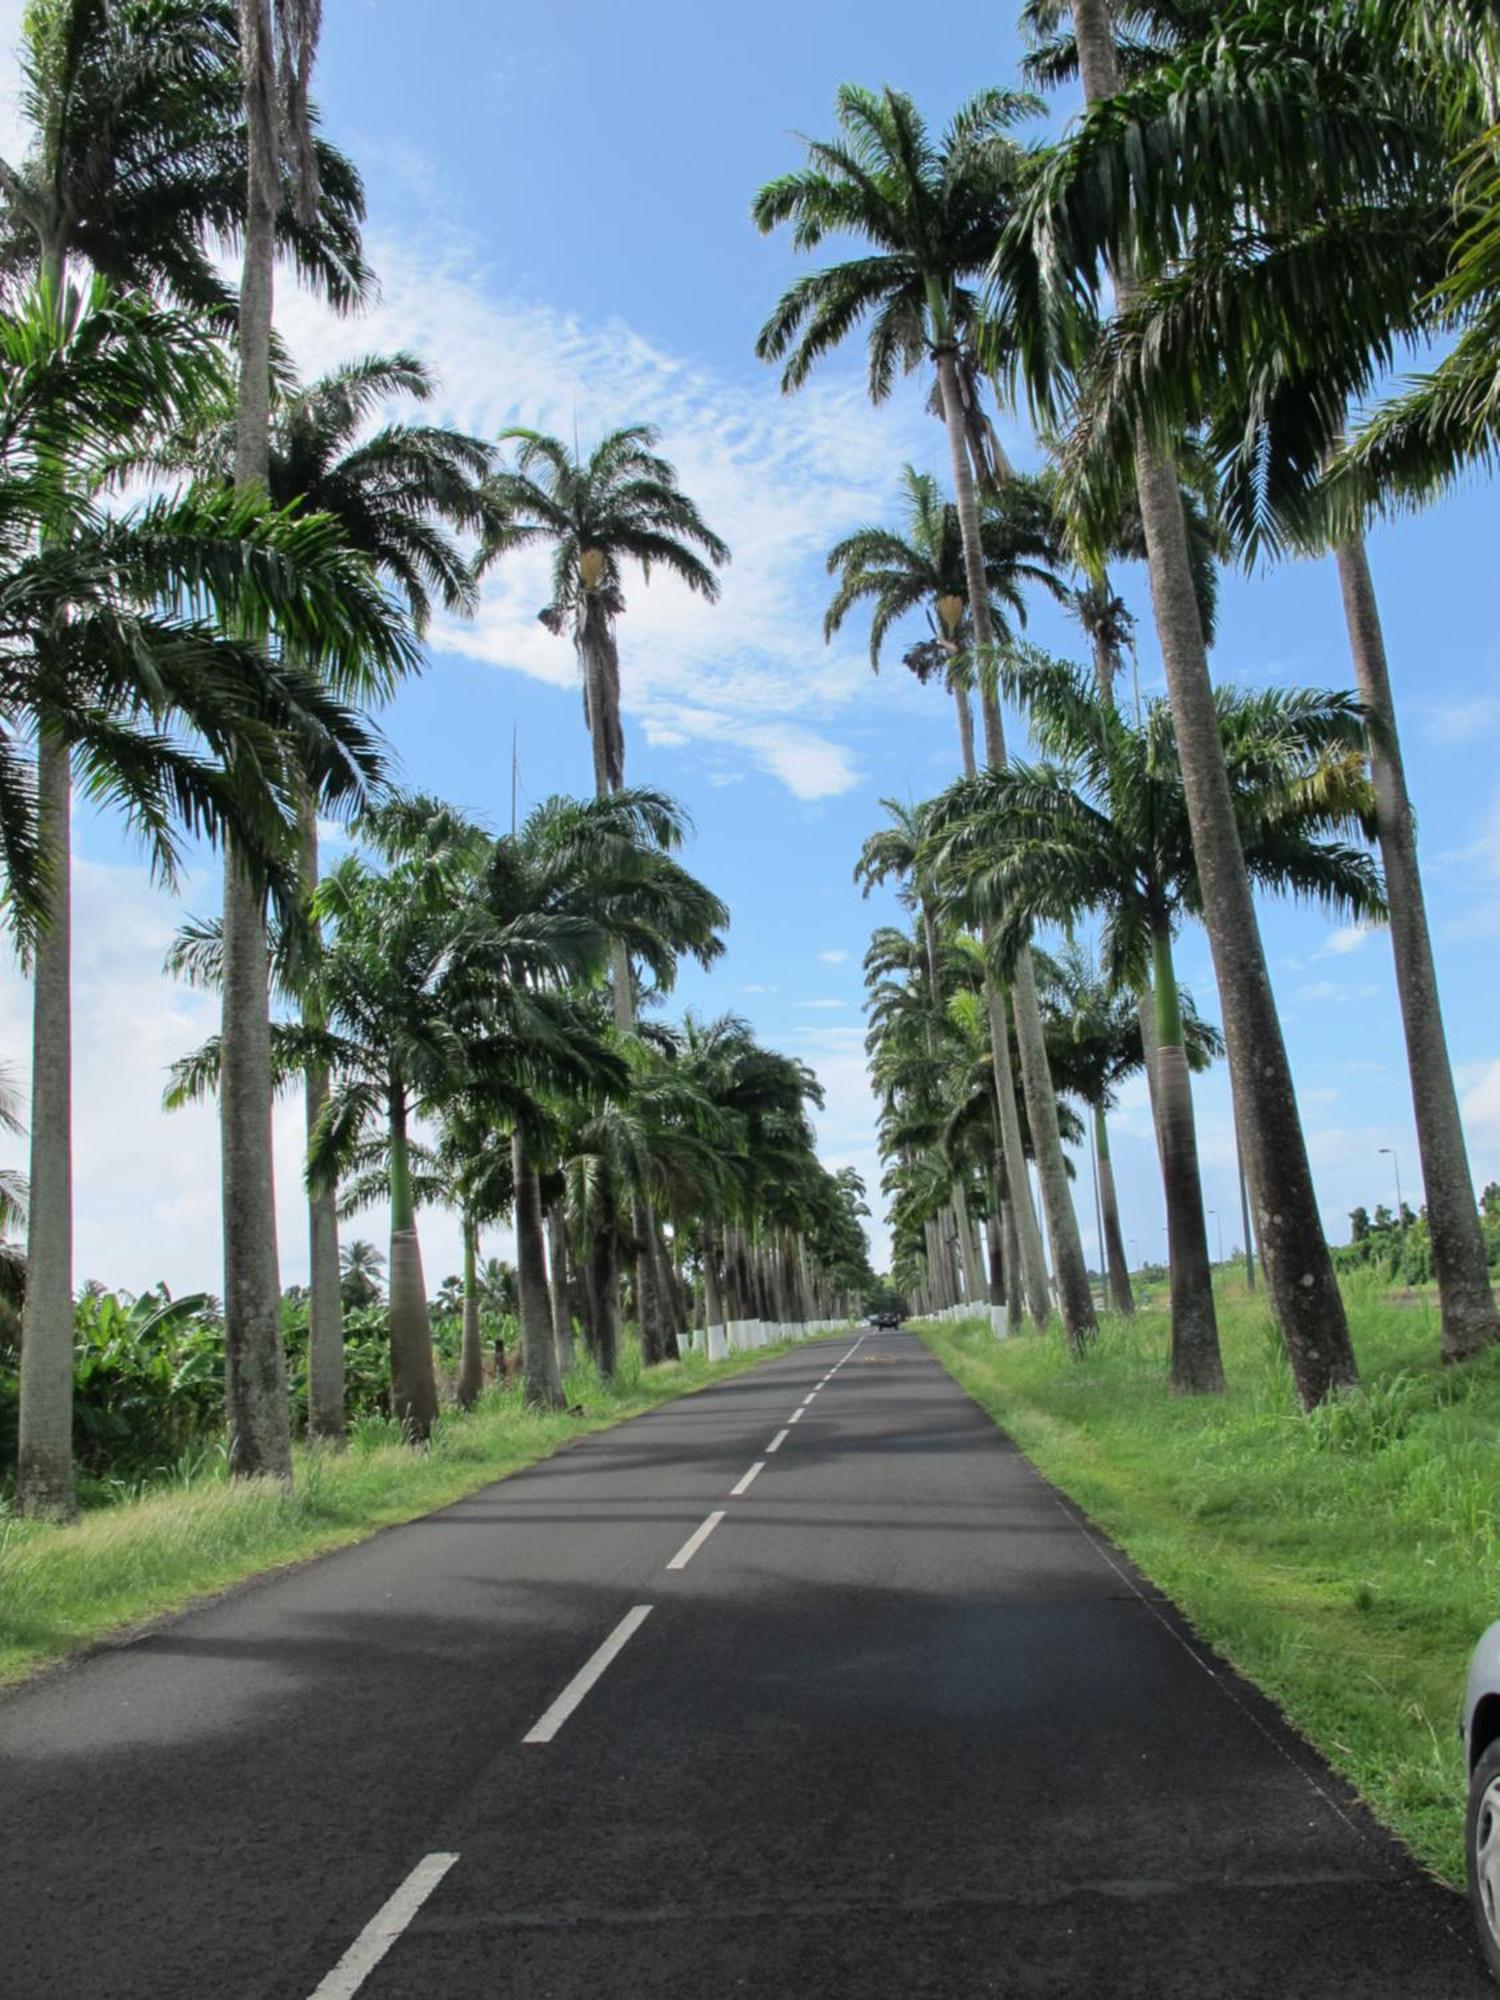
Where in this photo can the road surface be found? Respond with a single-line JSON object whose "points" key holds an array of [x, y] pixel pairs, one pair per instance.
{"points": [[881, 1718]]}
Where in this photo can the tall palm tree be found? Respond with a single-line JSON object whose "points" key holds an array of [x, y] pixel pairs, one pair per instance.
{"points": [[920, 569], [1103, 1022], [932, 211], [1304, 1292], [1107, 827], [399, 493], [362, 1273], [111, 627], [136, 163], [277, 43], [618, 509], [1262, 309], [621, 507]]}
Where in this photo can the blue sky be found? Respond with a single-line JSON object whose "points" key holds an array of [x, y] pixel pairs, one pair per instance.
{"points": [[559, 201]]}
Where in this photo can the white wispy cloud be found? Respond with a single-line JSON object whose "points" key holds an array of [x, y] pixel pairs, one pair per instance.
{"points": [[781, 479], [1348, 938], [833, 957], [829, 1006], [1332, 991]]}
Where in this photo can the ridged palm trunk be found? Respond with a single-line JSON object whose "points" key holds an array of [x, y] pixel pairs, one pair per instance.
{"points": [[1465, 1301], [1121, 1297], [44, 1470], [1299, 1270], [1074, 1297], [471, 1351], [255, 1361], [541, 1382], [603, 1285], [994, 1244], [559, 1266], [1196, 1363], [973, 1276], [1034, 1288], [414, 1401], [325, 1311]]}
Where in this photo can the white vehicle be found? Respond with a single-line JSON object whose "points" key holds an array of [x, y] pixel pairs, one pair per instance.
{"points": [[1481, 1733]]}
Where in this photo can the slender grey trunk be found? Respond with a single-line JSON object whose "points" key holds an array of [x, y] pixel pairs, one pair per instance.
{"points": [[1122, 1298], [1033, 1288], [965, 731], [44, 1470], [1196, 1363], [973, 1280], [542, 1384], [1465, 1301], [325, 1311], [713, 1304], [995, 1248], [414, 1397], [1074, 1295], [559, 1265], [1074, 1298], [1299, 1270], [471, 1351], [1012, 1264], [255, 1362], [1239, 1161]]}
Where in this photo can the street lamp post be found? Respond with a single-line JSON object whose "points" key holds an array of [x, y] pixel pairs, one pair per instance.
{"points": [[1400, 1204]]}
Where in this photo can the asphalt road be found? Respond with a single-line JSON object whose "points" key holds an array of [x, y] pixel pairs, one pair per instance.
{"points": [[898, 1724]]}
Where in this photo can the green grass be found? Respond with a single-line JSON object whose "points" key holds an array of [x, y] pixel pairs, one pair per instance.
{"points": [[63, 1587], [1346, 1562]]}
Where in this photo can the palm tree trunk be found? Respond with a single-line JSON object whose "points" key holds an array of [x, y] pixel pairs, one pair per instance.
{"points": [[713, 1302], [325, 1310], [1074, 1298], [1032, 1265], [1122, 1298], [559, 1264], [604, 1291], [1465, 1301], [965, 730], [542, 1384], [994, 1243], [1299, 1270], [414, 1401], [973, 1280], [1012, 1265], [255, 1363], [1239, 1162], [44, 1469], [1196, 1363], [471, 1353]]}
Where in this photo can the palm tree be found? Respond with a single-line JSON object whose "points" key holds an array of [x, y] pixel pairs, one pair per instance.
{"points": [[1268, 314], [933, 212], [897, 850], [398, 494], [1103, 1022], [361, 1272], [1305, 1294], [1107, 827], [921, 569], [619, 507], [112, 632]]}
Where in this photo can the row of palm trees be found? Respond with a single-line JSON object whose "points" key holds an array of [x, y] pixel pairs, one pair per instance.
{"points": [[1192, 288], [203, 660]]}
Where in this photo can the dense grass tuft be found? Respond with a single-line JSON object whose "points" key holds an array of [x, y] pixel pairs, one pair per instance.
{"points": [[195, 1532], [1346, 1562]]}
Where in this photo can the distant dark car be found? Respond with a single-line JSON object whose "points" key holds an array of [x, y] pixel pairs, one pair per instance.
{"points": [[885, 1319], [1481, 1734]]}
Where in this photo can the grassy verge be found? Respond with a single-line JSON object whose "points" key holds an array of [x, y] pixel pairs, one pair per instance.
{"points": [[63, 1587], [1345, 1562]]}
